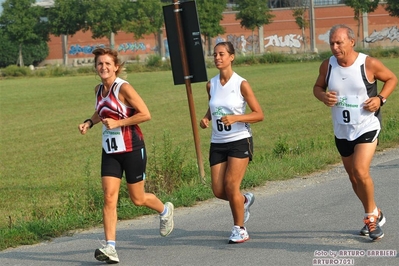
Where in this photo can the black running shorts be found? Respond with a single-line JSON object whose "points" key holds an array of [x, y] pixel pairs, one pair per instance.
{"points": [[347, 148], [219, 152], [132, 163]]}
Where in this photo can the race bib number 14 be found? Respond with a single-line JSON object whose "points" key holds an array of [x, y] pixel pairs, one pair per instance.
{"points": [[113, 140]]}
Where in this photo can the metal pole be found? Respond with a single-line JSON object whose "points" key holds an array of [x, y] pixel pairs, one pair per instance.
{"points": [[187, 81], [64, 41], [312, 28], [365, 29]]}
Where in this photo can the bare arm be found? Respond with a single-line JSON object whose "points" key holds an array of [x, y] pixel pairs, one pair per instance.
{"points": [[376, 70], [129, 96], [320, 87], [255, 116], [204, 123], [94, 119]]}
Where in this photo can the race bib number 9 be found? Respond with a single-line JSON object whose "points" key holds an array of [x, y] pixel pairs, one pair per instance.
{"points": [[348, 110], [113, 140]]}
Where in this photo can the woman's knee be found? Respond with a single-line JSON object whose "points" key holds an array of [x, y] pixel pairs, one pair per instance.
{"points": [[138, 201], [362, 175], [219, 193], [110, 198]]}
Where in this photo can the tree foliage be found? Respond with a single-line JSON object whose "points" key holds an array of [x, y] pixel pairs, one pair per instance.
{"points": [[67, 17], [362, 6], [33, 53], [22, 24], [299, 11], [253, 13], [105, 17], [210, 13], [143, 17], [359, 7], [392, 6]]}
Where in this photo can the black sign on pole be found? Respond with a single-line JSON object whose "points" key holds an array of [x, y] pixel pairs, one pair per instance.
{"points": [[187, 57], [192, 39]]}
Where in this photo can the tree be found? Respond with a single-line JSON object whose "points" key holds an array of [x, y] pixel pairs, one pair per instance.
{"points": [[143, 18], [105, 18], [9, 52], [253, 14], [33, 53], [299, 11], [359, 7], [66, 18], [210, 13], [22, 24], [392, 6]]}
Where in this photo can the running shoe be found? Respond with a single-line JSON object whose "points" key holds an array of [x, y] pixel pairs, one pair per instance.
{"points": [[166, 221], [250, 200], [107, 253], [375, 231], [381, 221], [238, 235]]}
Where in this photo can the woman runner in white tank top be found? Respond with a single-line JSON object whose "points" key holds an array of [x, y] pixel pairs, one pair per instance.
{"points": [[231, 142]]}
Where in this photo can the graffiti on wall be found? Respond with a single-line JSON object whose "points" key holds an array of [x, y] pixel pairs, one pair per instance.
{"points": [[242, 44], [289, 40], [325, 37], [87, 49], [219, 39], [124, 47], [391, 33], [136, 46]]}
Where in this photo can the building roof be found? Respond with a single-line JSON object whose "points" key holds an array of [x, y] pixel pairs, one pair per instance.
{"points": [[45, 3]]}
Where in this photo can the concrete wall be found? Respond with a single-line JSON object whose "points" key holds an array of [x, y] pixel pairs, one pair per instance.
{"points": [[283, 35]]}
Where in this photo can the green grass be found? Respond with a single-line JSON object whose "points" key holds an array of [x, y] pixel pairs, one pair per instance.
{"points": [[50, 174]]}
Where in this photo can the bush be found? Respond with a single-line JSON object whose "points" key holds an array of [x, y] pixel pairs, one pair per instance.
{"points": [[135, 67], [381, 52], [275, 58], [15, 71], [153, 61], [325, 55], [60, 71], [165, 172], [85, 70]]}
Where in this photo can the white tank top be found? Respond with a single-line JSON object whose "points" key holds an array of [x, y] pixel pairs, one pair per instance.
{"points": [[227, 100], [350, 120]]}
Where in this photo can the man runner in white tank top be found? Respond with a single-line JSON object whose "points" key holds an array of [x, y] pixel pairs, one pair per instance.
{"points": [[351, 79]]}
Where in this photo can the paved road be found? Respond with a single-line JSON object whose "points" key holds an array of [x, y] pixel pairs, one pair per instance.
{"points": [[297, 222]]}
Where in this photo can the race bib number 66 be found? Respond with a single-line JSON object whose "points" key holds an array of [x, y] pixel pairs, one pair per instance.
{"points": [[113, 140]]}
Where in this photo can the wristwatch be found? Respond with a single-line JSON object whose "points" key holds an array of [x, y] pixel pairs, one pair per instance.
{"points": [[382, 99]]}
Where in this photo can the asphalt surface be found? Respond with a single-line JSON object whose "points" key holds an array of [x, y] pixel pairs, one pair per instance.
{"points": [[312, 220]]}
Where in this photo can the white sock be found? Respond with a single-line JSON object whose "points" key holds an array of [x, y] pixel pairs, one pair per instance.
{"points": [[375, 213], [165, 211], [111, 242]]}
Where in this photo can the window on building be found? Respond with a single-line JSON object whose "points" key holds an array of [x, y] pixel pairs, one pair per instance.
{"points": [[291, 3]]}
